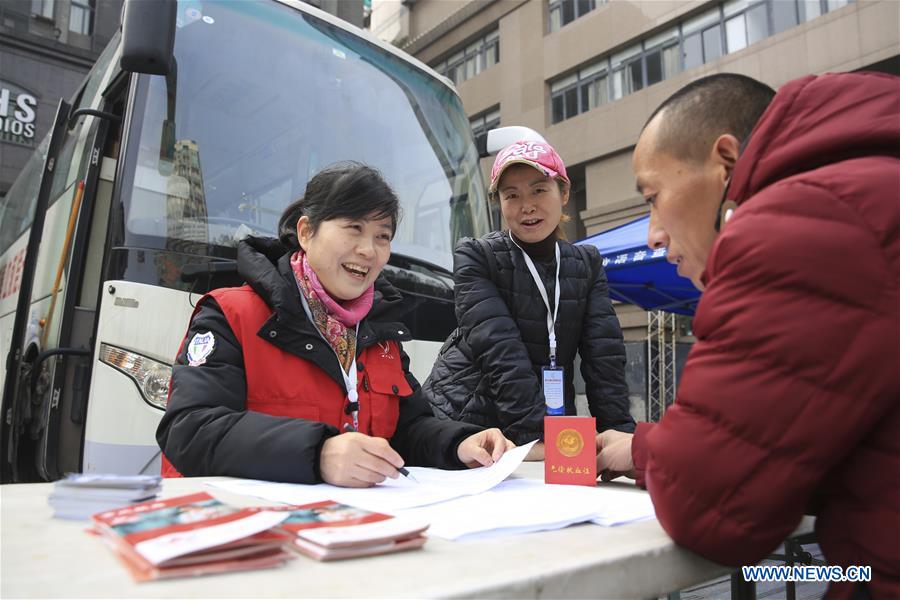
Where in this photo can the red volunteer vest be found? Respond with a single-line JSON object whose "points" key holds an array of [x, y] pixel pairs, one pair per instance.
{"points": [[282, 384]]}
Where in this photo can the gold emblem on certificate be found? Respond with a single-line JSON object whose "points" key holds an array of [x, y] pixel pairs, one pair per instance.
{"points": [[569, 442]]}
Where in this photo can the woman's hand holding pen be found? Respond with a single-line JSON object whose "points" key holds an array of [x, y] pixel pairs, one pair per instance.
{"points": [[483, 448], [358, 460]]}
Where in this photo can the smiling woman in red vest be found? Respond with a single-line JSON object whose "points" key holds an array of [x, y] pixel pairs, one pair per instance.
{"points": [[299, 375]]}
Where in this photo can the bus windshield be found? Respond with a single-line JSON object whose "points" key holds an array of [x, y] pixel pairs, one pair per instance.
{"points": [[265, 96]]}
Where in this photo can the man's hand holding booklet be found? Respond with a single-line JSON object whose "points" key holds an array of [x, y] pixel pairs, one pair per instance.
{"points": [[197, 534]]}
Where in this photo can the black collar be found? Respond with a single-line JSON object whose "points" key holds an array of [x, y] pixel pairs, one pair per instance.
{"points": [[542, 251]]}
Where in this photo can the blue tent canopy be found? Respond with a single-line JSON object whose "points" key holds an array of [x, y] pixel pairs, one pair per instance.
{"points": [[639, 275]]}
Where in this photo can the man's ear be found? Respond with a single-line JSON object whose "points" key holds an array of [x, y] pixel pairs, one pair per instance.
{"points": [[725, 151]]}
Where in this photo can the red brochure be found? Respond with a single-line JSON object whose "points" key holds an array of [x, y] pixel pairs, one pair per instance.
{"points": [[330, 530], [570, 450], [192, 535]]}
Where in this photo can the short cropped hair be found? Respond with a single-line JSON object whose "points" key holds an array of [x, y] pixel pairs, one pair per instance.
{"points": [[347, 190], [701, 111]]}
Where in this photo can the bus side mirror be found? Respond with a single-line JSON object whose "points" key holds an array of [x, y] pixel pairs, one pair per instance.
{"points": [[148, 36]]}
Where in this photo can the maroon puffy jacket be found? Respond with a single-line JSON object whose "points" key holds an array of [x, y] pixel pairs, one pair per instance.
{"points": [[790, 399]]}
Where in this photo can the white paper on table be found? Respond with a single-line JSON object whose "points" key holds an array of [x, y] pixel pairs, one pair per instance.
{"points": [[525, 505], [623, 506], [434, 485]]}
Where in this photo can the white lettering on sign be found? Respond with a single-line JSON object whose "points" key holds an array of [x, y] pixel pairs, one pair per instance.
{"points": [[17, 113]]}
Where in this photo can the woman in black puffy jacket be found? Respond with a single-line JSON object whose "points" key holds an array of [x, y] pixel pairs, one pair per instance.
{"points": [[495, 369]]}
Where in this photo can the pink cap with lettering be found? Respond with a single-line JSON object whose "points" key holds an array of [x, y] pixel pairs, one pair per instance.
{"points": [[539, 155]]}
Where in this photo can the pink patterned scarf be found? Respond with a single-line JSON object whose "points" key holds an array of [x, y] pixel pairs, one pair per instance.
{"points": [[336, 321]]}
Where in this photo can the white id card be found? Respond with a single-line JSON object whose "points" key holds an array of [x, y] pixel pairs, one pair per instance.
{"points": [[553, 390]]}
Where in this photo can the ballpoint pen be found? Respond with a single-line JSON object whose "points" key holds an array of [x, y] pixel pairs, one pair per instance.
{"points": [[402, 470]]}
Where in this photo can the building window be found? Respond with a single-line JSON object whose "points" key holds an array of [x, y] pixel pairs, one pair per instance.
{"points": [[727, 28], [81, 17], [644, 64], [42, 8], [593, 86], [471, 60], [564, 101], [662, 56], [810, 9], [563, 12], [702, 39], [623, 73], [484, 122], [748, 22]]}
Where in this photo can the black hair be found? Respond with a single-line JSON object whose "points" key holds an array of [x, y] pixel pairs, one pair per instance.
{"points": [[346, 190], [701, 111]]}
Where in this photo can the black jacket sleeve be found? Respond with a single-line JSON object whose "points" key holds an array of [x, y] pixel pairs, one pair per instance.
{"points": [[207, 429], [421, 438], [497, 347], [602, 351]]}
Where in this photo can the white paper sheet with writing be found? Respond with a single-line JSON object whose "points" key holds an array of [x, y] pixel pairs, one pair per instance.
{"points": [[525, 505], [434, 485]]}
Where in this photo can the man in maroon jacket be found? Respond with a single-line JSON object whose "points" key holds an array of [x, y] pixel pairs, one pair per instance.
{"points": [[785, 209]]}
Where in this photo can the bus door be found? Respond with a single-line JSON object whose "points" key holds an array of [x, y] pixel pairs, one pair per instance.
{"points": [[49, 334], [65, 388], [19, 269]]}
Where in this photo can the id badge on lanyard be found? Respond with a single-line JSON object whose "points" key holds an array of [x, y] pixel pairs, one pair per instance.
{"points": [[552, 377], [554, 397]]}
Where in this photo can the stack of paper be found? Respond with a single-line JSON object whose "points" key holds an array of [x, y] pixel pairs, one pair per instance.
{"points": [[79, 496], [526, 505], [483, 502]]}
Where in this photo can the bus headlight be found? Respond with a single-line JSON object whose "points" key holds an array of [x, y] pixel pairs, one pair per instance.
{"points": [[151, 376]]}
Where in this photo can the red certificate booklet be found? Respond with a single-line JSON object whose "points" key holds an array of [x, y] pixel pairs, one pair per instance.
{"points": [[570, 450]]}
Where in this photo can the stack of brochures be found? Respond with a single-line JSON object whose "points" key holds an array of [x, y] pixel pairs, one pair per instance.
{"points": [[192, 535], [79, 496], [330, 530], [198, 535]]}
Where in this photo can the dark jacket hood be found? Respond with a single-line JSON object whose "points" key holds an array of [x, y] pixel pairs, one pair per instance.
{"points": [[817, 121]]}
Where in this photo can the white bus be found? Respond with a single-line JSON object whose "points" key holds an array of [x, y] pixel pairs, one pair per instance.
{"points": [[132, 206]]}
